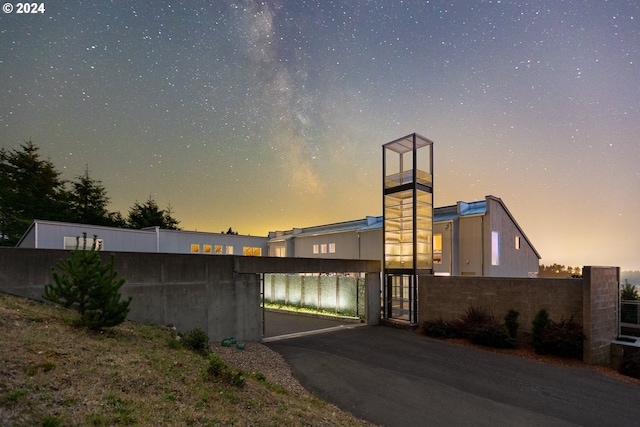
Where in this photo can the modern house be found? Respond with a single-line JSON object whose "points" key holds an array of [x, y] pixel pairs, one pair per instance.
{"points": [[62, 235], [478, 238]]}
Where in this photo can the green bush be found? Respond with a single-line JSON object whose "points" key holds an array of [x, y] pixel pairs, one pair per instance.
{"points": [[88, 286], [439, 328], [630, 365], [196, 340], [511, 323], [629, 292], [216, 365], [537, 336]]}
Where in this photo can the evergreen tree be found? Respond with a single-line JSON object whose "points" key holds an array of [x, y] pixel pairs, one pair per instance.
{"points": [[149, 214], [30, 188], [88, 201], [88, 286]]}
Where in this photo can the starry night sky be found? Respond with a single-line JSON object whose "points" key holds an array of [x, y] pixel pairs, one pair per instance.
{"points": [[271, 115]]}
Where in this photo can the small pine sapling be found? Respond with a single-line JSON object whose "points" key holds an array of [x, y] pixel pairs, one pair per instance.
{"points": [[89, 286]]}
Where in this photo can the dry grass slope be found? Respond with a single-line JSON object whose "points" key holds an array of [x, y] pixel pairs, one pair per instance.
{"points": [[54, 374]]}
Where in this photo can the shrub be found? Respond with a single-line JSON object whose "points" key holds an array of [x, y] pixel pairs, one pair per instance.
{"points": [[473, 319], [630, 365], [629, 292], [492, 335], [439, 328], [216, 365], [481, 327], [195, 340], [537, 336], [564, 338], [511, 323], [219, 369], [88, 286]]}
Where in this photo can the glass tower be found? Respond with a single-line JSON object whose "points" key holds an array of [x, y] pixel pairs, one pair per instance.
{"points": [[407, 165]]}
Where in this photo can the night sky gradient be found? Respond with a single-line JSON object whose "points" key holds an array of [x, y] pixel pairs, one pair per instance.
{"points": [[271, 115]]}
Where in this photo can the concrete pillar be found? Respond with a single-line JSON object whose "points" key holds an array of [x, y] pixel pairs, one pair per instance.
{"points": [[372, 295], [600, 307]]}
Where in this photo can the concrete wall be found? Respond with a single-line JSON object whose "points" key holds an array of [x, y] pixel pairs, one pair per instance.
{"points": [[591, 301], [450, 297], [600, 312], [219, 294]]}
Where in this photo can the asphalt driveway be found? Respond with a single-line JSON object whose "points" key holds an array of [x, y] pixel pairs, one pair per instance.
{"points": [[394, 377]]}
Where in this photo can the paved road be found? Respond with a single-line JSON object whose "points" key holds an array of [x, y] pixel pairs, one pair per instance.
{"points": [[394, 377]]}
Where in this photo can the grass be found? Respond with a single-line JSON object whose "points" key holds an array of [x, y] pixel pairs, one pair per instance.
{"points": [[54, 374]]}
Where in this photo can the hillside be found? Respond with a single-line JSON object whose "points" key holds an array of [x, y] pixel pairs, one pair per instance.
{"points": [[54, 374]]}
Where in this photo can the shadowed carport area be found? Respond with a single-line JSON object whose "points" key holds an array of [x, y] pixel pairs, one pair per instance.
{"points": [[397, 378], [280, 325]]}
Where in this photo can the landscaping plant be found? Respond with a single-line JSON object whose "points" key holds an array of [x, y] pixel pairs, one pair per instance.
{"points": [[537, 336], [511, 323], [439, 328], [88, 286]]}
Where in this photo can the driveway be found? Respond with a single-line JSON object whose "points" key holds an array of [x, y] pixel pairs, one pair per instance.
{"points": [[394, 377]]}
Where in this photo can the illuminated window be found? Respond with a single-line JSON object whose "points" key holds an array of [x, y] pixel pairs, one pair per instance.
{"points": [[332, 248], [281, 252], [229, 250], [495, 248], [195, 248], [247, 251], [517, 242], [206, 249], [437, 248], [316, 249], [323, 248], [218, 249]]}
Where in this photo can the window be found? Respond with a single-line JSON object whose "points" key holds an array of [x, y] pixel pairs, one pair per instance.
{"points": [[495, 248], [281, 252], [247, 251], [206, 249], [218, 249], [437, 248], [316, 249], [195, 248], [229, 250], [323, 248], [518, 243], [332, 248], [71, 242]]}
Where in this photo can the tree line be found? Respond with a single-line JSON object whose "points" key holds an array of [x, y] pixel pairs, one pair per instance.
{"points": [[32, 188], [558, 270]]}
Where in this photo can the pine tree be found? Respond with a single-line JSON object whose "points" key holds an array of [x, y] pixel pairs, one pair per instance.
{"points": [[89, 286]]}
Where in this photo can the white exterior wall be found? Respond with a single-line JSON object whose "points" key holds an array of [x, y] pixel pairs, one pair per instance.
{"points": [[346, 245], [470, 246], [513, 262], [446, 266], [179, 241], [50, 235]]}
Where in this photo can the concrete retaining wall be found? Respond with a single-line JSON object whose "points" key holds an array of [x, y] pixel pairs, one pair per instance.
{"points": [[219, 293]]}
